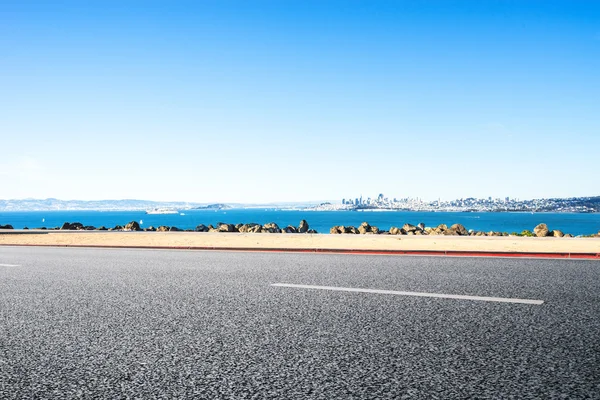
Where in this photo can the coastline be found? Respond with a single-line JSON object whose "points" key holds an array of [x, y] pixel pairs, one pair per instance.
{"points": [[441, 245]]}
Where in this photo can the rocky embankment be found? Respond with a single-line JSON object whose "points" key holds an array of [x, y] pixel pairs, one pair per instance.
{"points": [[134, 226], [540, 230]]}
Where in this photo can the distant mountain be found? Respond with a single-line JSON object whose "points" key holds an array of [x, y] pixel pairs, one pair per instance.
{"points": [[218, 206], [99, 205], [130, 205]]}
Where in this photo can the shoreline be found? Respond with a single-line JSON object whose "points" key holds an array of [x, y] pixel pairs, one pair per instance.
{"points": [[368, 244]]}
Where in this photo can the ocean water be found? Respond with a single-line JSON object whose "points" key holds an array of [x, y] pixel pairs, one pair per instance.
{"points": [[322, 221]]}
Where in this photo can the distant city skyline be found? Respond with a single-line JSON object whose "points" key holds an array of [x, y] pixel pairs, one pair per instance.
{"points": [[266, 101]]}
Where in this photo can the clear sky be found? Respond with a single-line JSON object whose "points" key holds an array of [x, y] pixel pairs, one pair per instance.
{"points": [[264, 101]]}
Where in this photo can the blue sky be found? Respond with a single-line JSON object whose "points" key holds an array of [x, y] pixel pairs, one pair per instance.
{"points": [[260, 101]]}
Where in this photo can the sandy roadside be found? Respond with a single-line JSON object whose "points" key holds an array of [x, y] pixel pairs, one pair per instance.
{"points": [[306, 241]]}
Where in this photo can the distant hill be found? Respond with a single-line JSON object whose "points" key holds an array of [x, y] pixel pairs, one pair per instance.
{"points": [[218, 206], [100, 205]]}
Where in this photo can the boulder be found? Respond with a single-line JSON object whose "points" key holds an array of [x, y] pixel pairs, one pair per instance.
{"points": [[311, 231], [335, 230], [375, 230], [102, 228], [132, 226], [459, 229], [291, 229], [75, 226], [541, 230], [254, 228], [568, 235], [150, 229], [395, 231], [408, 228], [7, 226], [271, 227], [174, 229], [201, 228], [303, 227], [421, 226], [162, 228], [222, 227], [557, 233], [364, 228]]}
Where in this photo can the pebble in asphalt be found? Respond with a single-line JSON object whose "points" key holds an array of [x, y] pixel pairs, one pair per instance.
{"points": [[190, 324]]}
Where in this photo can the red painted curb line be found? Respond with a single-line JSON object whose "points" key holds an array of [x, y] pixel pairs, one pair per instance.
{"points": [[438, 253]]}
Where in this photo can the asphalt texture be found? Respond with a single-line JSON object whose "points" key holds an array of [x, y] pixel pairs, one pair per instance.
{"points": [[99, 323]]}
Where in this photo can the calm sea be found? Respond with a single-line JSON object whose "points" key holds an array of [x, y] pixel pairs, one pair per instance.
{"points": [[322, 221]]}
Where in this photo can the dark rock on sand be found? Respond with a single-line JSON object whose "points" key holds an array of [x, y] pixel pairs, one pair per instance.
{"points": [[75, 226], [222, 227], [364, 228], [132, 226], [458, 229], [7, 226], [303, 227], [408, 228], [201, 228], [541, 230]]}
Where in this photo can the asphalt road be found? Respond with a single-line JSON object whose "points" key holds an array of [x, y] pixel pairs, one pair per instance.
{"points": [[190, 324]]}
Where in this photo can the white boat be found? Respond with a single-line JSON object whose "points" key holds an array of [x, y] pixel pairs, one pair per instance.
{"points": [[162, 211]]}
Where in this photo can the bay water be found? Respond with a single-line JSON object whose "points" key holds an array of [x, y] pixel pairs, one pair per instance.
{"points": [[322, 221]]}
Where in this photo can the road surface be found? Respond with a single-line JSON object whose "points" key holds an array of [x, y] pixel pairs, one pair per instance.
{"points": [[98, 323]]}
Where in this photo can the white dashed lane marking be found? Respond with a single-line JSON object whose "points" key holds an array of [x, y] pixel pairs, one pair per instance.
{"points": [[417, 294]]}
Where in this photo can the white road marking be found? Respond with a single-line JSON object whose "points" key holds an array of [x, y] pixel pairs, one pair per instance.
{"points": [[9, 265], [418, 294]]}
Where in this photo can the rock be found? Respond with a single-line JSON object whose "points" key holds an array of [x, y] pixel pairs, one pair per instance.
{"points": [[311, 231], [150, 229], [335, 230], [459, 229], [221, 227], [102, 228], [25, 228], [364, 228], [557, 233], [421, 226], [255, 228], [75, 226], [375, 230], [353, 230], [541, 230], [291, 229], [408, 228], [201, 228], [271, 227], [90, 228], [238, 226], [174, 229], [395, 231], [132, 226], [410, 233], [303, 227], [568, 235], [7, 226], [162, 228]]}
